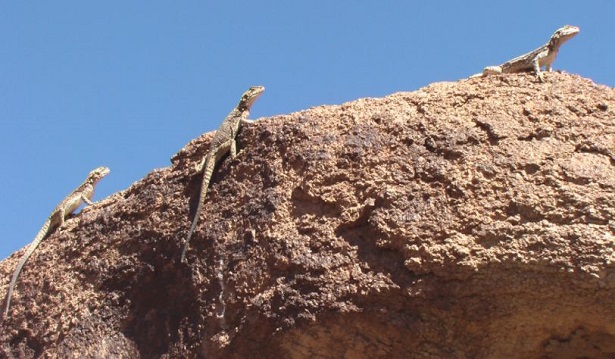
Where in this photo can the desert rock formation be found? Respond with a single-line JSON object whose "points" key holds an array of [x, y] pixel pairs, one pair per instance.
{"points": [[470, 219]]}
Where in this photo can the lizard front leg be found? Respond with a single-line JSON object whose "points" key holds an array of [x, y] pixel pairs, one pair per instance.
{"points": [[536, 65], [537, 70], [85, 199]]}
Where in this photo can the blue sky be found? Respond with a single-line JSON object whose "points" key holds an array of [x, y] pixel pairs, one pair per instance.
{"points": [[127, 84]]}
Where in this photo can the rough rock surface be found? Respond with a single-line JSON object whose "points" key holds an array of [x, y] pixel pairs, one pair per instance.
{"points": [[472, 219]]}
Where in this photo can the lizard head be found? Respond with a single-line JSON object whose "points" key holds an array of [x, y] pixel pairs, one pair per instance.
{"points": [[564, 34], [250, 96], [98, 173]]}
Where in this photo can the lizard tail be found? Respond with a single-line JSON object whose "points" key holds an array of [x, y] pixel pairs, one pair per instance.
{"points": [[208, 170], [39, 237]]}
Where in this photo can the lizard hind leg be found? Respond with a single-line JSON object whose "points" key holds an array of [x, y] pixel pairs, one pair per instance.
{"points": [[199, 166], [492, 70], [233, 148], [60, 217]]}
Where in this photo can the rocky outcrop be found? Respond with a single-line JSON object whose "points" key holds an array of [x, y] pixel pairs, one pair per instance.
{"points": [[472, 219]]}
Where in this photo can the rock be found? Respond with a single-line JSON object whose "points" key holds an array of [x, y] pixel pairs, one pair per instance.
{"points": [[472, 219]]}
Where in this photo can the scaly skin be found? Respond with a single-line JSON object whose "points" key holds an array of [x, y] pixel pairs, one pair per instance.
{"points": [[534, 60], [83, 193], [222, 143]]}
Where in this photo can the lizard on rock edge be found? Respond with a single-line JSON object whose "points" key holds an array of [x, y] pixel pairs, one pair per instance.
{"points": [[533, 60], [222, 143], [83, 193]]}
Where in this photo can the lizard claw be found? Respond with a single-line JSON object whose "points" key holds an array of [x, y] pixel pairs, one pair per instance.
{"points": [[541, 77]]}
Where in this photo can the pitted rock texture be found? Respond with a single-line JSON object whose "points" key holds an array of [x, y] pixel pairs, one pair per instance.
{"points": [[472, 219]]}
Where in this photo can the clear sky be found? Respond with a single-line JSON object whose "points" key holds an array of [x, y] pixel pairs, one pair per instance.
{"points": [[127, 84]]}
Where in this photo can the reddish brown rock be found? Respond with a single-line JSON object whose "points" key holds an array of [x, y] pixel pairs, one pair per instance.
{"points": [[472, 219]]}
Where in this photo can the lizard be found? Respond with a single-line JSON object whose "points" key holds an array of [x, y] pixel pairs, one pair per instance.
{"points": [[83, 193], [224, 142], [534, 60]]}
